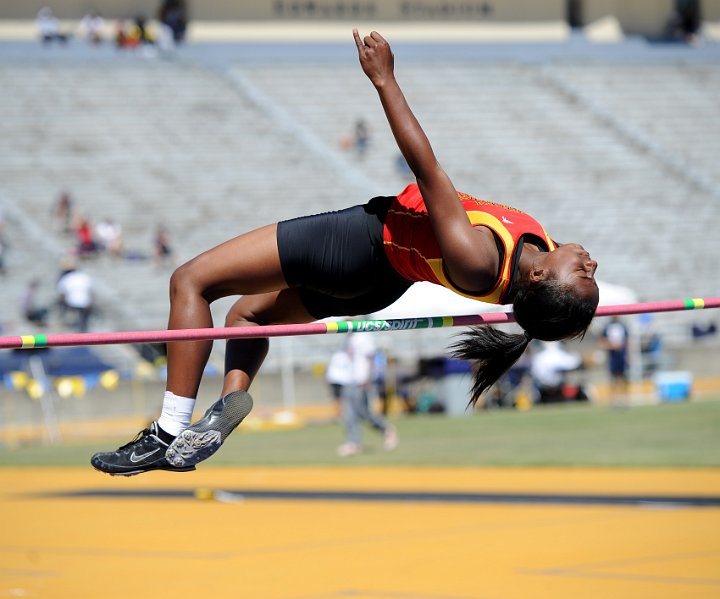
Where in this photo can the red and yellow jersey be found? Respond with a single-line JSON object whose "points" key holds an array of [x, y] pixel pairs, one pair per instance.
{"points": [[414, 252]]}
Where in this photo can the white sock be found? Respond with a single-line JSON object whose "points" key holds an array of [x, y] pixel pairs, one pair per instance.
{"points": [[176, 413]]}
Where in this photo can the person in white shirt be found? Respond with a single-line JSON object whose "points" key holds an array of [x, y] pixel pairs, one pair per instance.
{"points": [[359, 350], [337, 375], [549, 367], [92, 27], [76, 294], [109, 234], [49, 27]]}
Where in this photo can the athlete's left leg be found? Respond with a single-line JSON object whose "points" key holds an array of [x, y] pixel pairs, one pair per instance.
{"points": [[243, 357]]}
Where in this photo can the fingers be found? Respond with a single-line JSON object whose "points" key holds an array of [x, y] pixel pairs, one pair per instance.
{"points": [[369, 41], [377, 37], [358, 41]]}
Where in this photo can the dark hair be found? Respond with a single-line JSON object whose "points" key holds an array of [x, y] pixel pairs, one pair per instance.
{"points": [[545, 310]]}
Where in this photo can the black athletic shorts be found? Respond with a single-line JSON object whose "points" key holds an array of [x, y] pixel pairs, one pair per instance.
{"points": [[337, 262]]}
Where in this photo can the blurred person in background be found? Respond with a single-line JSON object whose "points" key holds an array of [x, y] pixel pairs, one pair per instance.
{"points": [[86, 246], [359, 140], [92, 28], [30, 308], [380, 366], [651, 345], [173, 14], [685, 22], [337, 375], [356, 409], [75, 289], [357, 261], [49, 27], [162, 247], [549, 368], [143, 34], [63, 212], [109, 236], [615, 340], [133, 34]]}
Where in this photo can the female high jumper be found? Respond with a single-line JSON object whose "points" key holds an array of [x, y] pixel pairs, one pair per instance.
{"points": [[357, 261]]}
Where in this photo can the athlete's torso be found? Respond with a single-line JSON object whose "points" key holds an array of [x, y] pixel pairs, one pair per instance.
{"points": [[413, 251]]}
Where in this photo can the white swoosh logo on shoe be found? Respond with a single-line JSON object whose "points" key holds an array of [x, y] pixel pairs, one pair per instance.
{"points": [[138, 458]]}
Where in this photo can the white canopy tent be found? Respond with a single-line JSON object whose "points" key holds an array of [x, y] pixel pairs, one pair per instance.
{"points": [[427, 299]]}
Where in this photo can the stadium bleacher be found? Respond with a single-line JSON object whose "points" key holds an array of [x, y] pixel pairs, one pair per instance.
{"points": [[621, 156]]}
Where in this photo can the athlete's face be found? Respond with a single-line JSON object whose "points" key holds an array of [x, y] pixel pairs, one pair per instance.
{"points": [[570, 264]]}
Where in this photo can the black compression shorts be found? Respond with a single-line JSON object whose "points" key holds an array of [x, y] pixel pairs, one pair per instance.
{"points": [[337, 262]]}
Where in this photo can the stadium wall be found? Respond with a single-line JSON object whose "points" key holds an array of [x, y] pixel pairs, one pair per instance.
{"points": [[380, 10], [643, 17]]}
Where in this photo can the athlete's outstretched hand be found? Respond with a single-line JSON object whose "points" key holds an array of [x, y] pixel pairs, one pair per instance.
{"points": [[376, 57]]}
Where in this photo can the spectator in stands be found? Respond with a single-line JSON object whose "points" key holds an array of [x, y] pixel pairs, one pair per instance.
{"points": [[76, 296], [92, 28], [142, 30], [123, 37], [359, 140], [49, 27], [86, 245], [163, 251], [30, 308], [356, 409], [63, 211], [357, 261], [109, 236], [615, 340], [173, 15], [362, 138], [132, 34], [685, 22]]}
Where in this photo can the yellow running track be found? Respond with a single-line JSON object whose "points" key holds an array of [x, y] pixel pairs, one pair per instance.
{"points": [[75, 533]]}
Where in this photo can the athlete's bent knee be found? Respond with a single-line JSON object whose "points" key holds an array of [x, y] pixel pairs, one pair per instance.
{"points": [[183, 280]]}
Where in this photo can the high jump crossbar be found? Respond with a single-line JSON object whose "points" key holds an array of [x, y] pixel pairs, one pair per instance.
{"points": [[324, 328]]}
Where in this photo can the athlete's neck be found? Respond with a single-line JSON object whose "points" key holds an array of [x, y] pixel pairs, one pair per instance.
{"points": [[528, 258]]}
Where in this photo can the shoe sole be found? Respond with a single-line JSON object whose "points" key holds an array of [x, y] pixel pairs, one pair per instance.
{"points": [[136, 472], [203, 439]]}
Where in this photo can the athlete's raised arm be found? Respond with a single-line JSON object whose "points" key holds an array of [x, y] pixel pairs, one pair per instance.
{"points": [[469, 254]]}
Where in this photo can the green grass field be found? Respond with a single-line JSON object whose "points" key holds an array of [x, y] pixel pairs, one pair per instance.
{"points": [[673, 434]]}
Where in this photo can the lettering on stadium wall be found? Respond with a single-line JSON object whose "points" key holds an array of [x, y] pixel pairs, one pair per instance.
{"points": [[446, 10], [404, 9], [310, 9]]}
